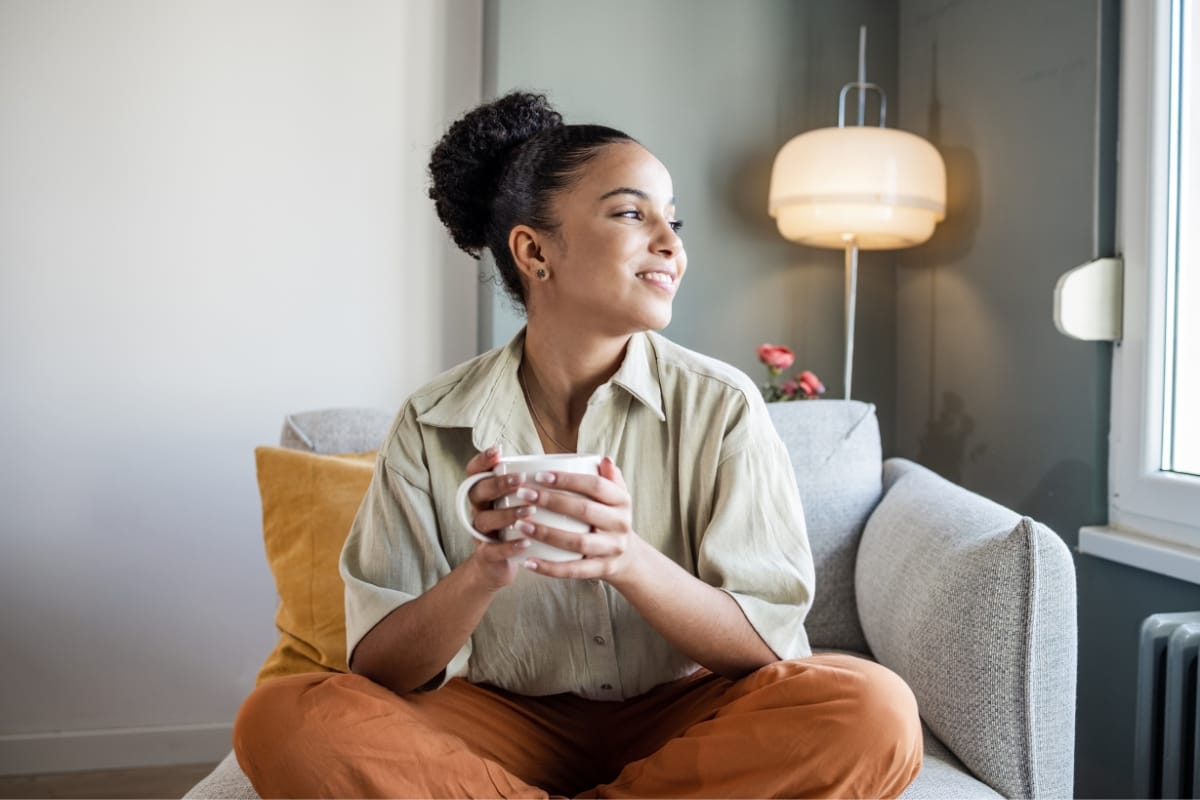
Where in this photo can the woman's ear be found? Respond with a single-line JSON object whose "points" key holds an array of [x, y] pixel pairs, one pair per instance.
{"points": [[525, 244]]}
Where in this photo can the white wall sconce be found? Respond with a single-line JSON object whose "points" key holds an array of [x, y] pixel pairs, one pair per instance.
{"points": [[1089, 301]]}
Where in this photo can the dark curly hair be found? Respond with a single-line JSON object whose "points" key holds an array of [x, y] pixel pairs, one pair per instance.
{"points": [[500, 165]]}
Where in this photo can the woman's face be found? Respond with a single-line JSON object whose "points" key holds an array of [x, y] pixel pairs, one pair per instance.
{"points": [[616, 260]]}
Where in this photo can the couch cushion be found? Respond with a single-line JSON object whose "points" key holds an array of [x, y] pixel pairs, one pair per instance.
{"points": [[308, 502], [974, 606], [943, 777], [834, 447], [225, 782]]}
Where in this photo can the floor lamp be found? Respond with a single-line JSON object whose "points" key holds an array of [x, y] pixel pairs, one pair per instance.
{"points": [[858, 188]]}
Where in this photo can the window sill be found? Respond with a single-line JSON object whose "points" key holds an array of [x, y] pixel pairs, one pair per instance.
{"points": [[1141, 551]]}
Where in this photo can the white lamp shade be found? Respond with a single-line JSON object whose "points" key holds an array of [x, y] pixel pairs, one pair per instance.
{"points": [[883, 187]]}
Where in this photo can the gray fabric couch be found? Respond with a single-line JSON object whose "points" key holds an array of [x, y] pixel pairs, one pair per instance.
{"points": [[971, 603]]}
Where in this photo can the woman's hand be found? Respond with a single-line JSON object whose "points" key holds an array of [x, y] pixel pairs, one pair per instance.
{"points": [[611, 548], [496, 564], [702, 622]]}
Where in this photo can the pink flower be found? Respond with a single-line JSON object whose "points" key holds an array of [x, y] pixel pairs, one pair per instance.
{"points": [[776, 357], [810, 383], [805, 386]]}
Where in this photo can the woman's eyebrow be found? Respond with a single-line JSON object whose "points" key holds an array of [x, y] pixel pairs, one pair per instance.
{"points": [[629, 190]]}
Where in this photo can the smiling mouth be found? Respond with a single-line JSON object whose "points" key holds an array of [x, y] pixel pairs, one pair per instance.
{"points": [[660, 278]]}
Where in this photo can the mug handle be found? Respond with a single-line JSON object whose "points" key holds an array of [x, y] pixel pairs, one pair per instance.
{"points": [[460, 504]]}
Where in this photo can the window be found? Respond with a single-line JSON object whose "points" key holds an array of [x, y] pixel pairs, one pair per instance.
{"points": [[1181, 452], [1154, 470]]}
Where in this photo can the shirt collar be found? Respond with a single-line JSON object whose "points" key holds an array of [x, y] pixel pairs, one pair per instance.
{"points": [[638, 374], [488, 398]]}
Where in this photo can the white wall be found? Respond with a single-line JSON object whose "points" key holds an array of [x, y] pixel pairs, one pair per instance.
{"points": [[211, 213]]}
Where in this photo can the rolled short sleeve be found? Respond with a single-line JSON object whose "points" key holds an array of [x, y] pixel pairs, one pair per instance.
{"points": [[755, 546], [393, 553]]}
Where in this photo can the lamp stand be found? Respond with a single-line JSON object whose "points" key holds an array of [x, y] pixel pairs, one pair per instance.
{"points": [[851, 292]]}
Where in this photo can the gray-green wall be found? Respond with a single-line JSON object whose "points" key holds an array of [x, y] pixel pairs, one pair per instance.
{"points": [[714, 88], [1020, 99]]}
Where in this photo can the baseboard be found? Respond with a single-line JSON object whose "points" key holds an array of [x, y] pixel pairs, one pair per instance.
{"points": [[114, 748]]}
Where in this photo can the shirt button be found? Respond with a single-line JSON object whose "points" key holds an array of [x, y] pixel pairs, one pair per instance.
{"points": [[606, 687], [598, 639]]}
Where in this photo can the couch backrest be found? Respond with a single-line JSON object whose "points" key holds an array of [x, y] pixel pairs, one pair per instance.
{"points": [[336, 430], [835, 451]]}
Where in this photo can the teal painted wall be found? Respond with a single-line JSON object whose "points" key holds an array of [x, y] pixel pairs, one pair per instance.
{"points": [[714, 89], [1020, 98], [992, 396]]}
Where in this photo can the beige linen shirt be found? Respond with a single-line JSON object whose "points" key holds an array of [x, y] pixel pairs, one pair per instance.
{"points": [[712, 488]]}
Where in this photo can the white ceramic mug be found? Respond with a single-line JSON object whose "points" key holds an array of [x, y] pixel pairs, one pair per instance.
{"points": [[530, 465]]}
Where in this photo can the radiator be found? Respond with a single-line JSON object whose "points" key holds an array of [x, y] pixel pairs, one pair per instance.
{"points": [[1165, 737]]}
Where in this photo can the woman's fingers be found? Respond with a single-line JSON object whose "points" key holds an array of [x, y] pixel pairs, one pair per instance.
{"points": [[502, 551], [589, 545], [489, 521], [597, 515], [610, 470], [500, 561], [489, 490], [602, 553], [484, 461], [579, 569], [600, 488]]}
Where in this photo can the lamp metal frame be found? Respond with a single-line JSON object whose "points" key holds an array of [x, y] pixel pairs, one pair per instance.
{"points": [[863, 87]]}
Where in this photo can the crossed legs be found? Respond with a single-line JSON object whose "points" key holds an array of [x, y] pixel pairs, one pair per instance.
{"points": [[825, 726]]}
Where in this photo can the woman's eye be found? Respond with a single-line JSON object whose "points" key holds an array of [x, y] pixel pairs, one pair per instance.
{"points": [[676, 224]]}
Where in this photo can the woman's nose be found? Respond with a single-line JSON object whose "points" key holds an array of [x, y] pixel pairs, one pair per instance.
{"points": [[667, 241]]}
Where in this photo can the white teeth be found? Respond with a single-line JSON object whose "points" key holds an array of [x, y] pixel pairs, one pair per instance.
{"points": [[658, 277]]}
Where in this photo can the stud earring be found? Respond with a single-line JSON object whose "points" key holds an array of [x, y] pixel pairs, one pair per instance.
{"points": [[541, 273]]}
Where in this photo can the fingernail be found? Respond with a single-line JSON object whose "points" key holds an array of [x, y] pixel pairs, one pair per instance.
{"points": [[523, 544], [492, 451], [526, 494], [525, 527], [545, 477], [531, 565], [512, 480], [526, 511]]}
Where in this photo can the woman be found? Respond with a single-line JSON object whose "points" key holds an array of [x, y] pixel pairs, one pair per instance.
{"points": [[671, 660]]}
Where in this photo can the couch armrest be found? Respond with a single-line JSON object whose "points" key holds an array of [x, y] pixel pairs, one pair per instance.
{"points": [[974, 606]]}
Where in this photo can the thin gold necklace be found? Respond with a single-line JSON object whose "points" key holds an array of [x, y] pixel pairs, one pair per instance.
{"points": [[533, 410]]}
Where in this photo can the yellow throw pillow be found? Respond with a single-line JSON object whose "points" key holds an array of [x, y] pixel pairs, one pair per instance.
{"points": [[308, 502]]}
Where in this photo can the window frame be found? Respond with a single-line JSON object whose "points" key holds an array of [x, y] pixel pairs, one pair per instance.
{"points": [[1154, 516]]}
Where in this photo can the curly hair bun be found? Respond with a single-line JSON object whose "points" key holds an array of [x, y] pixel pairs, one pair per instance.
{"points": [[468, 162]]}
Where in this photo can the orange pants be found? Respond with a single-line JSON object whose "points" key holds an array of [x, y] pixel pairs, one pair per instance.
{"points": [[826, 726]]}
